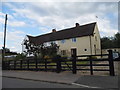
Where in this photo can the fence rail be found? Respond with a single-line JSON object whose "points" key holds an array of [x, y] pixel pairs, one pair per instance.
{"points": [[62, 64]]}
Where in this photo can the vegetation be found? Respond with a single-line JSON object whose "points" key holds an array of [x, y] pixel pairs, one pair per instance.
{"points": [[20, 56], [42, 50], [111, 42], [8, 52]]}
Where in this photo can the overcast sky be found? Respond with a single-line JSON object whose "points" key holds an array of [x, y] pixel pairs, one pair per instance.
{"points": [[36, 18]]}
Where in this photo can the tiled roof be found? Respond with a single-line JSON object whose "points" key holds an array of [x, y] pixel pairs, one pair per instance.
{"points": [[80, 31]]}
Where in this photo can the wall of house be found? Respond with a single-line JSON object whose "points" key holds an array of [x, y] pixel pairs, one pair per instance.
{"points": [[95, 41], [81, 44]]}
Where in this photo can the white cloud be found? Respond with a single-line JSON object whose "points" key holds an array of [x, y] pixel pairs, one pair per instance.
{"points": [[11, 21], [15, 35], [16, 23], [2, 18], [63, 15], [48, 15], [60, 0], [14, 39]]}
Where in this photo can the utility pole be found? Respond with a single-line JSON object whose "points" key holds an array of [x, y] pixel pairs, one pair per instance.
{"points": [[4, 37]]}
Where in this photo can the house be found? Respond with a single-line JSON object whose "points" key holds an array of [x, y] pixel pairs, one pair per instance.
{"points": [[84, 38]]}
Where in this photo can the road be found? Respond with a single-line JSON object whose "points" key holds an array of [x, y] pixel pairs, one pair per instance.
{"points": [[20, 83]]}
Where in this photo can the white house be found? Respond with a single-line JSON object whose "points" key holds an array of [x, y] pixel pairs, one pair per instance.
{"points": [[84, 38]]}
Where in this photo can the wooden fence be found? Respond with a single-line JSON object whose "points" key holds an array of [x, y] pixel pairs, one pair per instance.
{"points": [[58, 64]]}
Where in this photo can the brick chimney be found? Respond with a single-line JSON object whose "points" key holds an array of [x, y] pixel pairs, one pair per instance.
{"points": [[77, 24], [53, 30]]}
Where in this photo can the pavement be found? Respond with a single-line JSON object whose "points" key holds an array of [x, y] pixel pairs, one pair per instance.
{"points": [[85, 81], [64, 77], [26, 84]]}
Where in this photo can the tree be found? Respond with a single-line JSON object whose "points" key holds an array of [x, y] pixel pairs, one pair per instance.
{"points": [[116, 40], [41, 50], [6, 49], [106, 43], [32, 49], [52, 49], [20, 56], [111, 42]]}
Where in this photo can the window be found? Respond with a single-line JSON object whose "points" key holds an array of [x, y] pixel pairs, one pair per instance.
{"points": [[63, 52], [73, 39], [95, 38], [95, 49], [62, 41], [85, 49]]}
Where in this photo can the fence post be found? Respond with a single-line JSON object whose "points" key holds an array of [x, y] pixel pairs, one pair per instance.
{"points": [[74, 54], [6, 65], [45, 65], [91, 66], [58, 58], [28, 64], [21, 65], [111, 63], [9, 65], [36, 63], [14, 64], [3, 65]]}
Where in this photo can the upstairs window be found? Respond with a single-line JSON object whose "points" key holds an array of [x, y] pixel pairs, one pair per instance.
{"points": [[73, 39], [96, 38], [62, 41]]}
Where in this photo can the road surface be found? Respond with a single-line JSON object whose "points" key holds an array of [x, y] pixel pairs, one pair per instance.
{"points": [[20, 83]]}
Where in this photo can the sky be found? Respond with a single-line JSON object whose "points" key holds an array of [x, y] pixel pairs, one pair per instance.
{"points": [[37, 18]]}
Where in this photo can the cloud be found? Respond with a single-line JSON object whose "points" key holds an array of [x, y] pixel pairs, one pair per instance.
{"points": [[14, 39], [17, 24], [15, 35], [11, 21], [59, 15], [60, 1]]}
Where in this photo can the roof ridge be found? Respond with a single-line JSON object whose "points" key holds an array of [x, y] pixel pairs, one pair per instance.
{"points": [[64, 29], [83, 30]]}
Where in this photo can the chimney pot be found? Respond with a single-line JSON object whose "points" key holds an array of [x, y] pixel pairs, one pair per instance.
{"points": [[53, 30], [77, 24]]}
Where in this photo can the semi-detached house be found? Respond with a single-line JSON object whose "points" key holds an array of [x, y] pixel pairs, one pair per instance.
{"points": [[84, 38]]}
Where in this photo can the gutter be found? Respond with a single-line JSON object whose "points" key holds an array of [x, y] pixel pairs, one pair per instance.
{"points": [[90, 45]]}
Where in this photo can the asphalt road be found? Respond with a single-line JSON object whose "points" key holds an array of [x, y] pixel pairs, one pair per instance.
{"points": [[20, 83], [99, 81]]}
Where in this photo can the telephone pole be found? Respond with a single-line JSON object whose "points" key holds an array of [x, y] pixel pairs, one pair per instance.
{"points": [[4, 37]]}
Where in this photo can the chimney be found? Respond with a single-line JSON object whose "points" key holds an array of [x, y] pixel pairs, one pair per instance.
{"points": [[77, 24], [53, 30]]}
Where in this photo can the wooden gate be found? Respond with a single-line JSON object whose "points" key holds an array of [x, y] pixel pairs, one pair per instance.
{"points": [[59, 64]]}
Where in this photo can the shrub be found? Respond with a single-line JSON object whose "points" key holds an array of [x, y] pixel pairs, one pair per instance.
{"points": [[55, 58], [20, 56]]}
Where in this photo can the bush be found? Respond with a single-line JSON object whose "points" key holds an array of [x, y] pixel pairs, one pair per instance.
{"points": [[55, 58], [20, 56]]}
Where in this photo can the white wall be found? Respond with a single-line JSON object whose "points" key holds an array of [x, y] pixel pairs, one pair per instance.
{"points": [[95, 39], [83, 43]]}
